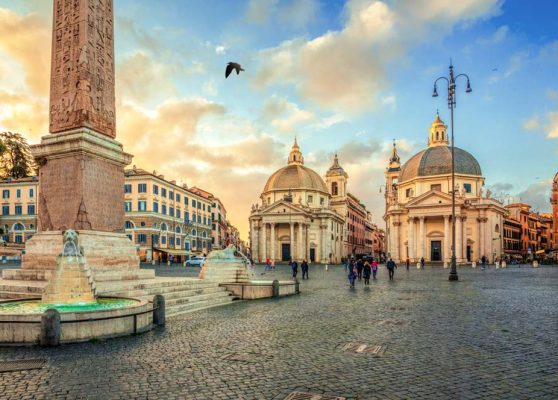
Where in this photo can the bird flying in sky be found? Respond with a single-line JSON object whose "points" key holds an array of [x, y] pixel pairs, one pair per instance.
{"points": [[232, 65]]}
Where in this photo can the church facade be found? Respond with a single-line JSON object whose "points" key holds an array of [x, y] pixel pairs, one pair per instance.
{"points": [[301, 216], [418, 206]]}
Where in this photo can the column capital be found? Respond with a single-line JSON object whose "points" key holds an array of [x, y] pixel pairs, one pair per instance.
{"points": [[421, 218]]}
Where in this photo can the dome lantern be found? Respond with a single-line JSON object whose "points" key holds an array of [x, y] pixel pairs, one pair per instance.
{"points": [[295, 156], [437, 135]]}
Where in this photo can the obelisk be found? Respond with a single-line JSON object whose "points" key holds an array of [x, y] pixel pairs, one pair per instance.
{"points": [[81, 165]]}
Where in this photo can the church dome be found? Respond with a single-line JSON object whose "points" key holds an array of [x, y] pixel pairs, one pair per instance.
{"points": [[295, 175], [436, 159]]}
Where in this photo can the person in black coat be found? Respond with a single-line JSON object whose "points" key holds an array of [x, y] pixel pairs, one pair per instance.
{"points": [[359, 267], [391, 268], [304, 268], [294, 267], [366, 271]]}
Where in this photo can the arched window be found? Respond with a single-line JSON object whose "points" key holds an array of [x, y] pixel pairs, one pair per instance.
{"points": [[437, 135], [334, 189], [178, 230], [19, 227], [129, 225], [204, 234], [194, 232], [164, 227], [497, 228]]}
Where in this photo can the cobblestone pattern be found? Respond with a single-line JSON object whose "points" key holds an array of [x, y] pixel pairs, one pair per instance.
{"points": [[492, 335]]}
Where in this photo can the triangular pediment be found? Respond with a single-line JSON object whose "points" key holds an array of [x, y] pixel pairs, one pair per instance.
{"points": [[433, 198], [281, 207]]}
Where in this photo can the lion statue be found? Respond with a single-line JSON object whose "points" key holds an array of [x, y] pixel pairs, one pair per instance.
{"points": [[71, 246]]}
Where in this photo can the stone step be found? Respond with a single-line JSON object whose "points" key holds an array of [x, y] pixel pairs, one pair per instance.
{"points": [[197, 306], [5, 295], [26, 274], [184, 283], [196, 298], [173, 294], [123, 275], [35, 287]]}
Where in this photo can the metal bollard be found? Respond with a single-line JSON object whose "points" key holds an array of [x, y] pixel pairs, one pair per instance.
{"points": [[50, 328], [275, 287], [159, 310]]}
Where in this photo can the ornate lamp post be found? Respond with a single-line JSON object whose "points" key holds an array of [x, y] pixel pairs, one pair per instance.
{"points": [[451, 105]]}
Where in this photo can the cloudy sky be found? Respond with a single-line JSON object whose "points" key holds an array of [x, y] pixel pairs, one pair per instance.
{"points": [[341, 76]]}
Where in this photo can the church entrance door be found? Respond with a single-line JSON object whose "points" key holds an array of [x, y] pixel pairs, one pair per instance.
{"points": [[436, 250], [312, 255], [285, 251]]}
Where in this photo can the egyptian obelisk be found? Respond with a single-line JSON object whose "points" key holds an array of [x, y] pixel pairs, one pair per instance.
{"points": [[81, 165]]}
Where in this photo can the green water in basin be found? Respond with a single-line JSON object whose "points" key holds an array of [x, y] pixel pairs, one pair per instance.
{"points": [[37, 307]]}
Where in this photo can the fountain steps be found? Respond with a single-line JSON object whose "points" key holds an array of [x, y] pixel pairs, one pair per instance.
{"points": [[100, 276], [172, 293], [198, 305]]}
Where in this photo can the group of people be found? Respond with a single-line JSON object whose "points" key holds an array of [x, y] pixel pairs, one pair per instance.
{"points": [[303, 267], [361, 270]]}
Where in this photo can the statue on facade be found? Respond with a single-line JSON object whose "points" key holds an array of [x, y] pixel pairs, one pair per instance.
{"points": [[488, 193]]}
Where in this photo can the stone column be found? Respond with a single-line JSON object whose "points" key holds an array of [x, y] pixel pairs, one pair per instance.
{"points": [[481, 238], [307, 240], [411, 240], [272, 244], [464, 239], [458, 238], [300, 243], [263, 251], [291, 239], [421, 237], [447, 239], [397, 244]]}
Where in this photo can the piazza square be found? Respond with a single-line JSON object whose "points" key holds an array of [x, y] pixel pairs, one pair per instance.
{"points": [[266, 203]]}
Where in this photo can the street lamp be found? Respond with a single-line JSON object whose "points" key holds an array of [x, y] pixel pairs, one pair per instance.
{"points": [[451, 105]]}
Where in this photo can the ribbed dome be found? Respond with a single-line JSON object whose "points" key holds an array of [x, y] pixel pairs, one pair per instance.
{"points": [[295, 176], [437, 161]]}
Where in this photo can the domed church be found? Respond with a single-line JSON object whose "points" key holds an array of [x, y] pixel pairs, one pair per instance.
{"points": [[418, 205], [296, 218]]}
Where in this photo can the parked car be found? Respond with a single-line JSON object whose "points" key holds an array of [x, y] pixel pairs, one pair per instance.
{"points": [[195, 262]]}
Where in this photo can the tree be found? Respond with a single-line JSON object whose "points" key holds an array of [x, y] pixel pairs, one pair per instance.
{"points": [[16, 160]]}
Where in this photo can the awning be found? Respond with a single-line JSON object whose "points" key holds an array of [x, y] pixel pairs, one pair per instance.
{"points": [[540, 251], [174, 252]]}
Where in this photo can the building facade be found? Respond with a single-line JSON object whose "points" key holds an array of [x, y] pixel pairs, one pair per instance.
{"points": [[164, 219], [295, 218], [19, 209], [512, 239], [219, 222], [418, 205], [554, 202]]}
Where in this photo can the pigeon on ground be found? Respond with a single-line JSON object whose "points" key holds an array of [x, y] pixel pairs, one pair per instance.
{"points": [[231, 66]]}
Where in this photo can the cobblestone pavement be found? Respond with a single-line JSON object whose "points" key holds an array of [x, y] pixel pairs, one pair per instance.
{"points": [[491, 335]]}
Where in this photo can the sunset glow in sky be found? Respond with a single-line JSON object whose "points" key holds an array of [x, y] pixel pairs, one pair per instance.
{"points": [[341, 76]]}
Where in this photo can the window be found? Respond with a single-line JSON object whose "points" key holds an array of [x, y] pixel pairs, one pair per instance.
{"points": [[203, 207], [31, 192], [171, 211], [155, 207], [5, 194], [127, 188], [204, 220], [19, 227], [186, 216], [18, 193], [155, 189], [142, 205], [155, 239], [185, 200], [467, 187], [334, 189], [193, 203], [408, 192], [199, 205], [142, 223], [127, 206], [199, 219], [164, 209], [171, 241], [310, 199], [31, 209], [208, 209], [129, 225], [163, 192], [322, 201], [142, 238], [5, 209], [178, 213], [437, 187], [178, 197], [171, 195], [187, 246], [142, 187], [163, 240], [19, 239], [164, 227], [18, 209], [178, 241]]}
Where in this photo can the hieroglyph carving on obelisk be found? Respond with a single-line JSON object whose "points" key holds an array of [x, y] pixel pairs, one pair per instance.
{"points": [[82, 75]]}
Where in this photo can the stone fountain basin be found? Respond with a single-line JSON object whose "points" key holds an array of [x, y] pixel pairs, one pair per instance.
{"points": [[259, 289], [77, 326]]}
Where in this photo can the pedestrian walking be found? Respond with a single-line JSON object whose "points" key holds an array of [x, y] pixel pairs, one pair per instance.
{"points": [[272, 265], [391, 268], [408, 262], [304, 267], [374, 269], [294, 268], [422, 263], [359, 268], [352, 275], [483, 260], [366, 271], [267, 264]]}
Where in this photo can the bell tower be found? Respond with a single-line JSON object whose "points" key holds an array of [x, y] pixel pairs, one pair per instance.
{"points": [[336, 180], [392, 172], [437, 135], [554, 202]]}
